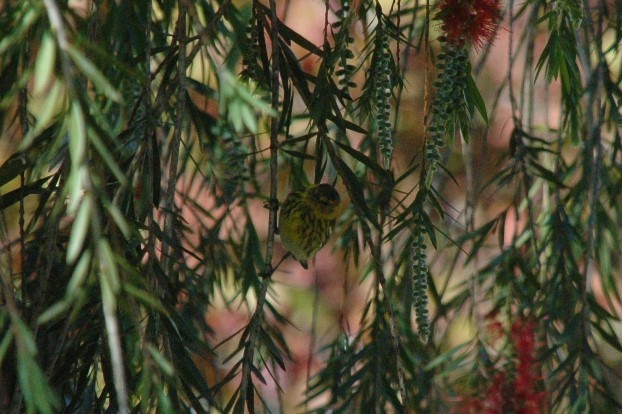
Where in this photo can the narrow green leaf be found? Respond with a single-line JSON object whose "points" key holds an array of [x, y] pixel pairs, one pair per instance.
{"points": [[298, 154], [91, 71], [109, 277], [54, 311], [229, 408], [75, 188], [294, 140], [144, 297], [7, 340], [44, 64], [444, 357], [38, 394], [27, 19], [544, 57], [108, 159], [473, 95], [24, 335], [77, 134], [272, 348], [80, 272], [478, 236], [119, 219], [248, 118], [291, 35], [164, 402], [356, 192], [258, 374], [161, 361], [12, 197], [547, 175], [50, 107], [79, 230], [364, 159]]}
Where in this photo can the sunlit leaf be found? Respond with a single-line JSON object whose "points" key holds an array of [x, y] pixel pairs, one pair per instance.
{"points": [[50, 107], [79, 230], [45, 63], [91, 71]]}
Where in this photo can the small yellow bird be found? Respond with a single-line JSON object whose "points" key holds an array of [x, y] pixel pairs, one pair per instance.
{"points": [[307, 219]]}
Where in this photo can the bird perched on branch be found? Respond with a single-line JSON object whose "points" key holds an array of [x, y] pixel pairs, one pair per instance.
{"points": [[307, 219]]}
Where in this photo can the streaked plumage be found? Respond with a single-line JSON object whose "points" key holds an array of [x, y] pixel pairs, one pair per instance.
{"points": [[307, 219]]}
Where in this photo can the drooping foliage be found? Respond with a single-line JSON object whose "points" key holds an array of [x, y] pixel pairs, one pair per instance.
{"points": [[475, 266]]}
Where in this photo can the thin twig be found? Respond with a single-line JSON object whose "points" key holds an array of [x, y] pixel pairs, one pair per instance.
{"points": [[594, 119], [58, 26], [204, 36], [257, 317], [274, 136], [168, 262], [112, 325], [149, 133], [22, 182], [382, 281], [173, 155], [116, 356], [206, 32], [9, 302], [249, 350], [312, 334]]}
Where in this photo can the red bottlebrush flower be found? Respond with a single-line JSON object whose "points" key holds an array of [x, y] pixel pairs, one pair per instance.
{"points": [[470, 22], [513, 386], [528, 400], [497, 395]]}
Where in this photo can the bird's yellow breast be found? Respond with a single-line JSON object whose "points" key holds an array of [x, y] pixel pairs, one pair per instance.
{"points": [[304, 228]]}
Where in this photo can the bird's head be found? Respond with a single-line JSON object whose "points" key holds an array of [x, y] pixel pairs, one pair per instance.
{"points": [[325, 200]]}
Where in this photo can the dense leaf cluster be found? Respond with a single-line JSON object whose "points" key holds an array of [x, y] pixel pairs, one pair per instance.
{"points": [[145, 146]]}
